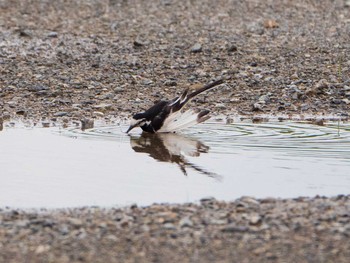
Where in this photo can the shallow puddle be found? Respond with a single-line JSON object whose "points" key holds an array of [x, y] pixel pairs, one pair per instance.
{"points": [[56, 167]]}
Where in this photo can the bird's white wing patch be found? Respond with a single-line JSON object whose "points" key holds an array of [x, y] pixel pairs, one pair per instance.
{"points": [[179, 120]]}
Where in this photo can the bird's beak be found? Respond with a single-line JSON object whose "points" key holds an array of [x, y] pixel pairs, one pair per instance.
{"points": [[130, 128]]}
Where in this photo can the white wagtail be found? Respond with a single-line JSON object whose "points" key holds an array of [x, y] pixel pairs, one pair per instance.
{"points": [[166, 115]]}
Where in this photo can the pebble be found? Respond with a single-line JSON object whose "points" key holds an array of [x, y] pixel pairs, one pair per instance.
{"points": [[170, 83], [98, 113], [52, 34], [232, 48], [38, 87], [258, 106], [21, 112], [185, 222], [196, 48], [232, 228], [264, 98], [208, 199], [346, 101], [138, 43], [60, 114], [87, 123], [42, 249], [102, 106], [118, 89], [75, 222], [45, 124], [255, 220], [169, 226], [220, 106]]}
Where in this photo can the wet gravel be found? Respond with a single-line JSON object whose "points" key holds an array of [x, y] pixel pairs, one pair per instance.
{"points": [[77, 60]]}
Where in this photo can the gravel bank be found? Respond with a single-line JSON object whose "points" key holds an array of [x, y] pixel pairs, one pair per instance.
{"points": [[245, 230], [112, 58], [68, 60]]}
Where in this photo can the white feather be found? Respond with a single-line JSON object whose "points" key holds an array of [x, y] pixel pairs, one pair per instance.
{"points": [[179, 120]]}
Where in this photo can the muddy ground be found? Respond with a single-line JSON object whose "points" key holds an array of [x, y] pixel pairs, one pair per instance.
{"points": [[66, 60]]}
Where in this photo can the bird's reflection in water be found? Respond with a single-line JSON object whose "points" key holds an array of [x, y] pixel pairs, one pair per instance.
{"points": [[172, 148]]}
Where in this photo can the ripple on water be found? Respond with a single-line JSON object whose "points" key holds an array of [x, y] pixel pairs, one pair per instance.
{"points": [[330, 140], [307, 139]]}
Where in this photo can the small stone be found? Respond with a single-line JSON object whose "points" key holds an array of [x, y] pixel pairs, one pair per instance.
{"points": [[39, 87], [170, 83], [41, 249], [63, 229], [319, 122], [60, 114], [264, 98], [233, 228], [249, 200], [185, 222], [255, 220], [45, 124], [24, 33], [169, 226], [103, 106], [75, 222], [270, 23], [98, 113], [138, 43], [21, 112], [232, 48], [207, 199], [346, 101], [255, 28], [258, 106], [111, 238], [196, 48], [12, 103], [87, 124], [214, 221], [52, 34], [22, 223], [220, 106], [118, 89], [305, 107], [147, 82]]}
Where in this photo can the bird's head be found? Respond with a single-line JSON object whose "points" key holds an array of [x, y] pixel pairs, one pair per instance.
{"points": [[136, 121]]}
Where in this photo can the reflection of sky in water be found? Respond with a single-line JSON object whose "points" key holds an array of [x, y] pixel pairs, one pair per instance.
{"points": [[103, 166]]}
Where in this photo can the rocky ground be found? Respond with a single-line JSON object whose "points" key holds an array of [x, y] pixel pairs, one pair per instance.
{"points": [[112, 58], [246, 230], [68, 60]]}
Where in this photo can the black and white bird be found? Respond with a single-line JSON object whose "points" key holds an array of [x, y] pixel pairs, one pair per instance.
{"points": [[167, 115]]}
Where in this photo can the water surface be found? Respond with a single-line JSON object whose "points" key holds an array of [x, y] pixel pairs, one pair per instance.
{"points": [[56, 167]]}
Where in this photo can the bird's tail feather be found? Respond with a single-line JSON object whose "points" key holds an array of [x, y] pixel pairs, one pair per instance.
{"points": [[182, 120], [179, 102], [204, 88]]}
